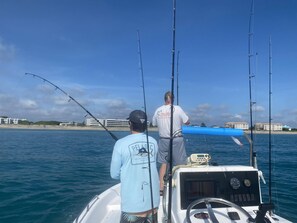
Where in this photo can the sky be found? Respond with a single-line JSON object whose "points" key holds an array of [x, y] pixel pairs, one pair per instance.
{"points": [[89, 48]]}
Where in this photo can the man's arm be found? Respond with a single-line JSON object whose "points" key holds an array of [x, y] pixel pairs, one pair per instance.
{"points": [[187, 122], [115, 165], [184, 116], [154, 120]]}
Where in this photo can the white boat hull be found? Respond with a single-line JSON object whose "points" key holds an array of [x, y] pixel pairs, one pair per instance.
{"points": [[105, 208]]}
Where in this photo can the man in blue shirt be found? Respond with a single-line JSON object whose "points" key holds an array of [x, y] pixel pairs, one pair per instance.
{"points": [[130, 164]]}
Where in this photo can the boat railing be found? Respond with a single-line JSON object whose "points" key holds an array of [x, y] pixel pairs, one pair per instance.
{"points": [[86, 209], [196, 130]]}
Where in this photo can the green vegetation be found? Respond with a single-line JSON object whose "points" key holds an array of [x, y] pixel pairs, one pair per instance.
{"points": [[53, 123], [292, 130], [25, 122], [47, 123]]}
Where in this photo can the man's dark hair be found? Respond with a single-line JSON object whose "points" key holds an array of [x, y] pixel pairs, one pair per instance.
{"points": [[138, 127]]}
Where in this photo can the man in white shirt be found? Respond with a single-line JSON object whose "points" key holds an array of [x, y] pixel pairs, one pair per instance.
{"points": [[161, 119]]}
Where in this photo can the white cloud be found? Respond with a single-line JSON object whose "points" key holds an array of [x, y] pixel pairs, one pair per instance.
{"points": [[7, 51], [214, 115], [203, 107], [238, 116], [258, 108], [61, 100], [28, 104]]}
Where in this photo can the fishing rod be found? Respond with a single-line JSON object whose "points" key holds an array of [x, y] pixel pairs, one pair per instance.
{"points": [[72, 99], [147, 138], [177, 82], [171, 117], [270, 119], [251, 75]]}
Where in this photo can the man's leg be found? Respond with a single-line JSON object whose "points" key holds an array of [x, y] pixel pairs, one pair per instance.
{"points": [[162, 172]]}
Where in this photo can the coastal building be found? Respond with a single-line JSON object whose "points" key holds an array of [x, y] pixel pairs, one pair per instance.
{"points": [[237, 125], [265, 126], [107, 122], [9, 121], [116, 123], [287, 128], [93, 122], [68, 124]]}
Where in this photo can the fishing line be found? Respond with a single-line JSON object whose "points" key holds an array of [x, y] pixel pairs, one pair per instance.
{"points": [[146, 129], [72, 99]]}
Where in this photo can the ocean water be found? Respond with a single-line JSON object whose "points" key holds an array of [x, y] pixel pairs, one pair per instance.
{"points": [[48, 176]]}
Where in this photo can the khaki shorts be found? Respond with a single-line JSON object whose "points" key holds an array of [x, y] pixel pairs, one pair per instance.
{"points": [[179, 155]]}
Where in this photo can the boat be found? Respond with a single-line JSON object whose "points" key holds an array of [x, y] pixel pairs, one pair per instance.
{"points": [[201, 192]]}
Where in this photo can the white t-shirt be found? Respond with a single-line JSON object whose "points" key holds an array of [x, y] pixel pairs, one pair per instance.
{"points": [[162, 116]]}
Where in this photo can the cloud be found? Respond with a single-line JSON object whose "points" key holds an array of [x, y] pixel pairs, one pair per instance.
{"points": [[286, 117], [238, 116], [214, 115], [201, 114], [28, 104], [7, 103], [203, 107], [117, 108], [61, 100], [116, 104], [7, 51], [258, 108]]}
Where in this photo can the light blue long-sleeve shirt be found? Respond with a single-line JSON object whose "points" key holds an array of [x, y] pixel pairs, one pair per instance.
{"points": [[130, 164]]}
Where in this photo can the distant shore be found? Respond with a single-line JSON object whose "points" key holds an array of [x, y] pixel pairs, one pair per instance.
{"points": [[274, 132], [99, 128], [58, 127]]}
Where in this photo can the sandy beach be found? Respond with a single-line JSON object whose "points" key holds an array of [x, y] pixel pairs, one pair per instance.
{"points": [[99, 128], [57, 127]]}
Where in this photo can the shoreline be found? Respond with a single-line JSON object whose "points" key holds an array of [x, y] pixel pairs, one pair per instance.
{"points": [[99, 128], [57, 127]]}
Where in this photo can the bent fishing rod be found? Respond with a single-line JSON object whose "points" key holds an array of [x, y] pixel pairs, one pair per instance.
{"points": [[72, 99], [146, 128]]}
